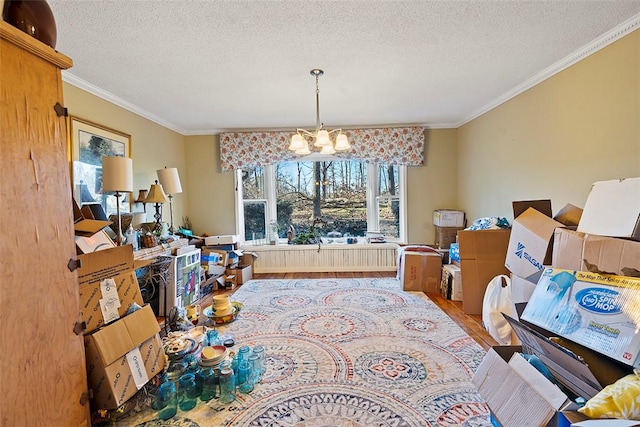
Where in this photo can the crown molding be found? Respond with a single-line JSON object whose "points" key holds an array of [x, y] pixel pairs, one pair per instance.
{"points": [[67, 77], [601, 42]]}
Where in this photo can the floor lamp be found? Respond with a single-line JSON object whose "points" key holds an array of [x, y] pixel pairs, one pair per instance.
{"points": [[117, 178], [170, 181]]}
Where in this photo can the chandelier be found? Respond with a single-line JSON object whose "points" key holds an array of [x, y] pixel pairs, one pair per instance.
{"points": [[321, 138]]}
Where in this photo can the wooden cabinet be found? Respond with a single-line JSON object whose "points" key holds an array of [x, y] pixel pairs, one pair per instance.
{"points": [[42, 366]]}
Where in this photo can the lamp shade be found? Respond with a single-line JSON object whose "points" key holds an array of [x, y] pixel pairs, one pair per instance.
{"points": [[170, 180], [117, 174], [156, 195]]}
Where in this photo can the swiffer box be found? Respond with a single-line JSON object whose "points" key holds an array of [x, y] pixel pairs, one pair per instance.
{"points": [[601, 312], [529, 245], [107, 285], [122, 357]]}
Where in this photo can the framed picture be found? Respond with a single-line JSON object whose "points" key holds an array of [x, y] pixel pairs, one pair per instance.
{"points": [[88, 143]]}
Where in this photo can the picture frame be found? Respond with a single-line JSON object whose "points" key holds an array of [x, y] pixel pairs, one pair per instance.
{"points": [[87, 143]]}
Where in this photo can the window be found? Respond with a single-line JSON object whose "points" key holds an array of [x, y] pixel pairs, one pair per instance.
{"points": [[329, 198]]}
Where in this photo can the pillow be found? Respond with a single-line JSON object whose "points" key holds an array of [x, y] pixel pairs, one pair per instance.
{"points": [[618, 400]]}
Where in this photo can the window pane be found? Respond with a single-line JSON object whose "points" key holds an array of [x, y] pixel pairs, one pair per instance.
{"points": [[328, 197], [389, 216], [388, 180], [253, 184], [254, 203], [255, 219]]}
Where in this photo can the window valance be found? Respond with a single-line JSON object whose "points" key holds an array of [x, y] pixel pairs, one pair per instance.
{"points": [[396, 146]]}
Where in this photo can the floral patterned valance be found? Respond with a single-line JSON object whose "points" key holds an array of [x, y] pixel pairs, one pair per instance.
{"points": [[396, 146]]}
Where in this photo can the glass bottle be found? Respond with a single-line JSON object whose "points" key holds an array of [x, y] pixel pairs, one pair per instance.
{"points": [[259, 350], [187, 396], [167, 401], [243, 353], [255, 372], [213, 338], [245, 383], [208, 379], [227, 385]]}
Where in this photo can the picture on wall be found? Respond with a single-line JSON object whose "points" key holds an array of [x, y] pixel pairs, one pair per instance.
{"points": [[88, 143]]}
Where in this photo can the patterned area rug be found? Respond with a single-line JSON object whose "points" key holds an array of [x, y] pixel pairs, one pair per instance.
{"points": [[346, 352]]}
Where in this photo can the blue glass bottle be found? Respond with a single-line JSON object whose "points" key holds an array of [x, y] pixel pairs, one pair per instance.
{"points": [[213, 338], [227, 386], [259, 350], [167, 401], [245, 378], [187, 396], [209, 386]]}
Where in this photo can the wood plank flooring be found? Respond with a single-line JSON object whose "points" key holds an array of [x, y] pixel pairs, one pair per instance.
{"points": [[471, 324]]}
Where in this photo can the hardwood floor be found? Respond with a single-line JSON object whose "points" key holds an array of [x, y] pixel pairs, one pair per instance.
{"points": [[471, 324]]}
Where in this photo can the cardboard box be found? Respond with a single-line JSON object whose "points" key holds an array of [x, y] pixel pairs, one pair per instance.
{"points": [[228, 239], [613, 209], [445, 236], [448, 218], [530, 243], [242, 273], [451, 284], [482, 257], [573, 250], [521, 288], [516, 395], [122, 357], [542, 206], [569, 215], [107, 285], [601, 312], [84, 226], [420, 271], [567, 249]]}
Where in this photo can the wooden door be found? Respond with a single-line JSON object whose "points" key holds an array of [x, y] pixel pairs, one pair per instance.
{"points": [[42, 365]]}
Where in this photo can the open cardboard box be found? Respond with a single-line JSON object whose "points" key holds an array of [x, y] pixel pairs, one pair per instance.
{"points": [[98, 274], [122, 357], [613, 209], [529, 245], [518, 394]]}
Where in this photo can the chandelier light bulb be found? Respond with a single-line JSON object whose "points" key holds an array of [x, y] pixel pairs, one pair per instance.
{"points": [[297, 142], [322, 139], [342, 142]]}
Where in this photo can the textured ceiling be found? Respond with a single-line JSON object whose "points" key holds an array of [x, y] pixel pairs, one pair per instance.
{"points": [[202, 67]]}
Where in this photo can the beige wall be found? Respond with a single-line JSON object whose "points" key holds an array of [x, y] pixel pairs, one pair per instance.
{"points": [[556, 139], [212, 201], [432, 186], [152, 146]]}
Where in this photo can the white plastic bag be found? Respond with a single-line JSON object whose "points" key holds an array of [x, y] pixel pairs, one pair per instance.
{"points": [[497, 300]]}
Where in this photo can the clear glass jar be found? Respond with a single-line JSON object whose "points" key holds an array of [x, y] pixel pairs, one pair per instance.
{"points": [[255, 373], [245, 383], [187, 393], [167, 401], [209, 384], [227, 385], [259, 350]]}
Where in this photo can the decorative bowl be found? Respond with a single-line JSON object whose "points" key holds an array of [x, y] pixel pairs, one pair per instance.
{"points": [[220, 320]]}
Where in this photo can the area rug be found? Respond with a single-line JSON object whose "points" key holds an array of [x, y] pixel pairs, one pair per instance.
{"points": [[346, 352]]}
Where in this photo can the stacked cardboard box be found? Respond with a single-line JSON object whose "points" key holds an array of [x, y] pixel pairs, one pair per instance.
{"points": [[447, 223], [122, 345], [582, 285], [420, 269]]}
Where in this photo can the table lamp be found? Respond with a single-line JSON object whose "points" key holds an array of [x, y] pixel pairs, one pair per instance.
{"points": [[170, 181], [156, 196], [117, 178]]}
